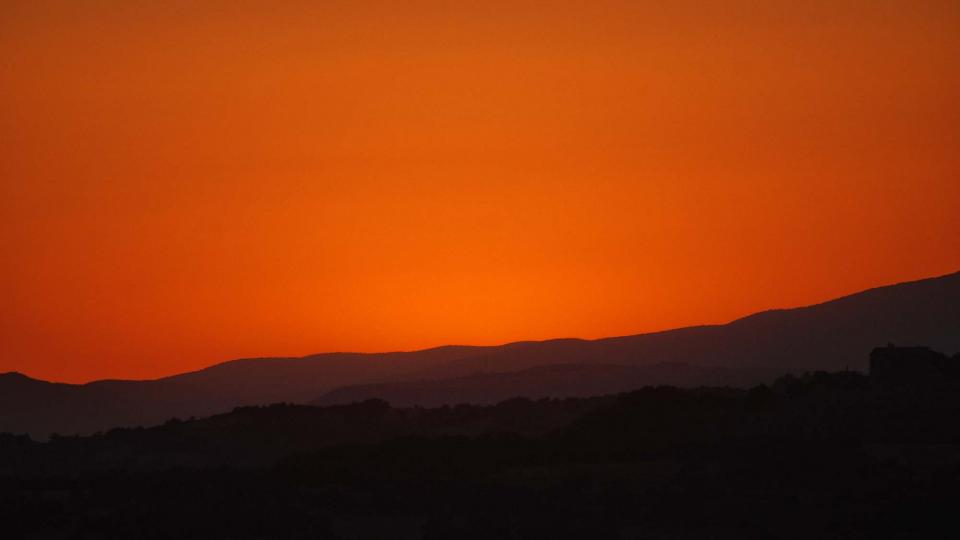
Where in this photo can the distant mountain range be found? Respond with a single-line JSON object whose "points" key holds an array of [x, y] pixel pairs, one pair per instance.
{"points": [[835, 335], [556, 380]]}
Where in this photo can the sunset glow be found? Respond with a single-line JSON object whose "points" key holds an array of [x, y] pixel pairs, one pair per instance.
{"points": [[183, 183]]}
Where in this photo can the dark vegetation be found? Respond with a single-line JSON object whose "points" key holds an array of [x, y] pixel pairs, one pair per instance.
{"points": [[823, 455]]}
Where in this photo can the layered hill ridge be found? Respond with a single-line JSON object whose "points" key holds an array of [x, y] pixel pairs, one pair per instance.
{"points": [[834, 335], [549, 381]]}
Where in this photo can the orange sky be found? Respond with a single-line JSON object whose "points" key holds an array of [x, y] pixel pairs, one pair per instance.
{"points": [[186, 182]]}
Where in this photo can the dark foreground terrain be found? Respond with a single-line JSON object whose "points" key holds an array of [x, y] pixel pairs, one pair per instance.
{"points": [[826, 455]]}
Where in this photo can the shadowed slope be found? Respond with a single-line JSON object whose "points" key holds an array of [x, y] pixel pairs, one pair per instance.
{"points": [[39, 408], [549, 381], [830, 336]]}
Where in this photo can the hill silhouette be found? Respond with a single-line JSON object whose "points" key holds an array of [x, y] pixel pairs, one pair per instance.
{"points": [[821, 455], [827, 336], [559, 380]]}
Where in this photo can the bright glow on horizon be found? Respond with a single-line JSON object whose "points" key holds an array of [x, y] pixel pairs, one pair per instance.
{"points": [[186, 182]]}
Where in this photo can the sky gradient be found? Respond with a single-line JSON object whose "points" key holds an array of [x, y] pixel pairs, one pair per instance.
{"points": [[182, 183]]}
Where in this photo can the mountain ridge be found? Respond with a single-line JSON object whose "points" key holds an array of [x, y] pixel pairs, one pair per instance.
{"points": [[328, 354], [831, 335]]}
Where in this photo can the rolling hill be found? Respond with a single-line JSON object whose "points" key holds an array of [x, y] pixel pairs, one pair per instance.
{"points": [[835, 335]]}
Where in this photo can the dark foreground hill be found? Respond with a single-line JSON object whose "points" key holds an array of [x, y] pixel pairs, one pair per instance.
{"points": [[818, 456], [830, 336]]}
